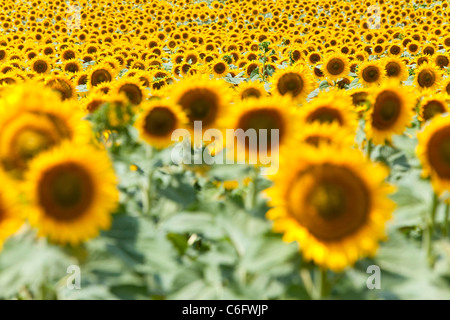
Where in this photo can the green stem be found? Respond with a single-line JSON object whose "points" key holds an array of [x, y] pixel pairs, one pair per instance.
{"points": [[253, 192], [321, 283], [307, 282], [430, 229], [445, 226], [148, 188], [369, 148]]}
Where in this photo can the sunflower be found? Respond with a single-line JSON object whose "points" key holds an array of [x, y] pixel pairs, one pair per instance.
{"points": [[10, 77], [445, 86], [99, 74], [428, 76], [68, 54], [72, 66], [132, 88], [61, 84], [433, 151], [251, 116], [371, 73], [3, 55], [33, 119], [413, 47], [158, 120], [202, 100], [441, 60], [333, 202], [335, 66], [219, 68], [390, 112], [331, 106], [421, 59], [80, 78], [395, 68], [295, 82], [91, 103], [41, 65], [313, 58], [250, 89], [10, 221], [72, 192], [316, 133], [432, 105]]}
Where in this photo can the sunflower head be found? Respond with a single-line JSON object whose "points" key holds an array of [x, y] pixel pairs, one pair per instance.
{"points": [[329, 107], [41, 65], [371, 73], [72, 193], [99, 74], [295, 82], [336, 66], [158, 120], [132, 88], [33, 119], [202, 99], [63, 85], [267, 122], [251, 89], [395, 68], [433, 151], [390, 112], [219, 68], [428, 76], [432, 105], [332, 201]]}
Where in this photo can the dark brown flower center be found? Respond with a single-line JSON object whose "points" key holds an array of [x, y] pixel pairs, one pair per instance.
{"points": [[386, 110], [160, 121], [335, 66], [426, 78], [65, 192], [290, 82]]}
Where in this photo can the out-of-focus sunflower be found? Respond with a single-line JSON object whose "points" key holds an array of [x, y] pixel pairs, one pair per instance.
{"points": [[390, 113], [333, 202], [335, 66], [158, 120], [251, 117], [445, 86], [432, 105], [72, 66], [41, 65], [33, 119], [251, 89], [99, 74], [91, 103], [72, 193], [371, 73], [295, 82], [202, 100], [317, 133], [219, 68], [428, 76], [441, 60], [395, 68], [433, 150], [10, 77], [132, 88], [61, 84], [331, 106]]}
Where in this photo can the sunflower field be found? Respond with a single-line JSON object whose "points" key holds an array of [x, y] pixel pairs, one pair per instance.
{"points": [[228, 149]]}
